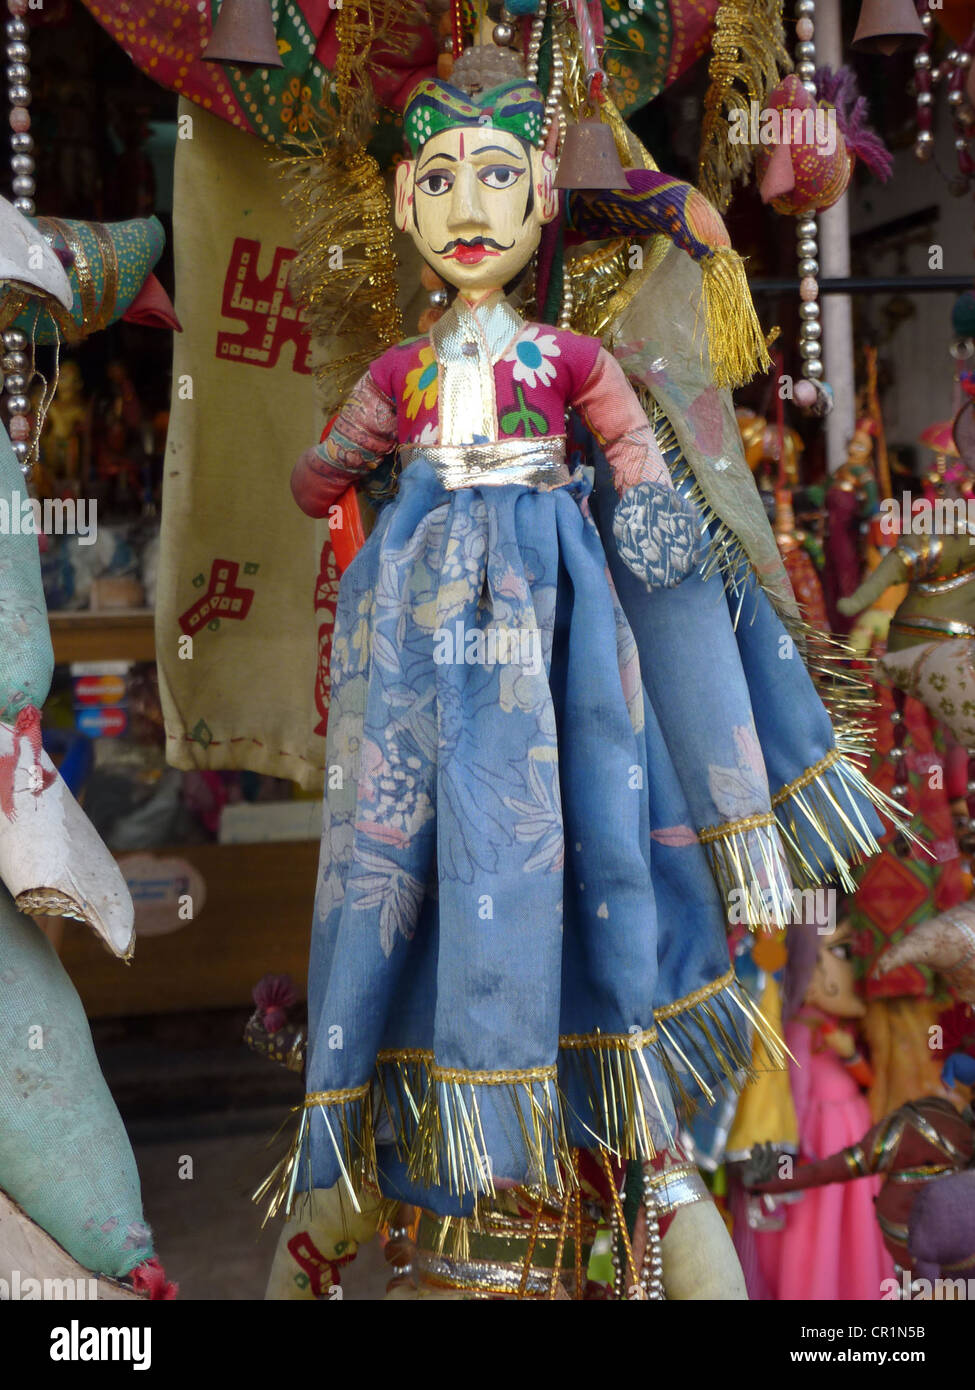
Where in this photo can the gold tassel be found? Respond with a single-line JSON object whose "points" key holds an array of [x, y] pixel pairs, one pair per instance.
{"points": [[735, 341], [748, 57]]}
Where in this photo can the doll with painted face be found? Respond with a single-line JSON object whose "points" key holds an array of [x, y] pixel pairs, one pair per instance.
{"points": [[519, 946], [830, 1246]]}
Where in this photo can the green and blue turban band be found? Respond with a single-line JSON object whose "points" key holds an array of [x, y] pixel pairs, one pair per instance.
{"points": [[434, 106]]}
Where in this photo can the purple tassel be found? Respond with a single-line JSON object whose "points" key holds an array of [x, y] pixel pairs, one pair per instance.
{"points": [[840, 89]]}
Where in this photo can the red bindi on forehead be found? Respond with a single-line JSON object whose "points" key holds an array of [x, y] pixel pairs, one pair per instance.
{"points": [[462, 144]]}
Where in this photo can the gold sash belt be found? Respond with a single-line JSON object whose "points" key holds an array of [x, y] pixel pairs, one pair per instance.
{"points": [[528, 462]]}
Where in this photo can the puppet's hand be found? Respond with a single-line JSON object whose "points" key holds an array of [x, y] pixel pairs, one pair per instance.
{"points": [[761, 1167], [658, 534]]}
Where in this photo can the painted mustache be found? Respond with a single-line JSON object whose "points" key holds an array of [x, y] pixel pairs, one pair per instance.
{"points": [[479, 241]]}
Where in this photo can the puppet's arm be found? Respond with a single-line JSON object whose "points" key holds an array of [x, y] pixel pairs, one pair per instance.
{"points": [[362, 433], [659, 532], [855, 1161], [609, 406]]}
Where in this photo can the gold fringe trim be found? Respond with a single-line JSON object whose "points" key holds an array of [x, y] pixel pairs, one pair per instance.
{"points": [[348, 1121], [812, 807], [805, 778], [736, 344], [449, 1148], [748, 57], [615, 1078], [697, 996], [432, 1115], [743, 854]]}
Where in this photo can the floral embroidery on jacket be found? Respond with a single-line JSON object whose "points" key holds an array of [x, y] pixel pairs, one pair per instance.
{"points": [[422, 384]]}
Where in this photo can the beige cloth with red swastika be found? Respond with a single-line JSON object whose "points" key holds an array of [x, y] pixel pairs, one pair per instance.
{"points": [[238, 563]]}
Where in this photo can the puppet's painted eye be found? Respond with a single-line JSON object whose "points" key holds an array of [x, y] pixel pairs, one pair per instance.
{"points": [[500, 175], [437, 183]]}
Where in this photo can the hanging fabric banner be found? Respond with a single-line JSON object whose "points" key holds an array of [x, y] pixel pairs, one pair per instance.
{"points": [[246, 584]]}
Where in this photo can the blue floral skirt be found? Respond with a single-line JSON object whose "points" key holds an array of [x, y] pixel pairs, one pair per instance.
{"points": [[518, 945]]}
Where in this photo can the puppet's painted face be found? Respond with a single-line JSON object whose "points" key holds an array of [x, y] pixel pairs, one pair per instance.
{"points": [[833, 984], [474, 201]]}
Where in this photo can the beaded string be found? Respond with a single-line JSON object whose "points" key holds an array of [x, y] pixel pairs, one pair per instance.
{"points": [[807, 231], [17, 365]]}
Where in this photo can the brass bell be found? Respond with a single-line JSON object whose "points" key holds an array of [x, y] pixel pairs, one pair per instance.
{"points": [[243, 36], [887, 25], [589, 158]]}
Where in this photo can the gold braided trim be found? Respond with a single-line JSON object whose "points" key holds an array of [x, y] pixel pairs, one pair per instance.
{"points": [[338, 1097], [726, 829], [456, 1075], [404, 1054], [804, 778], [697, 996], [670, 1175], [614, 1042]]}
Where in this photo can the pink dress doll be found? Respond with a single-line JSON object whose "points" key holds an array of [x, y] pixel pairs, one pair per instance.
{"points": [[830, 1247]]}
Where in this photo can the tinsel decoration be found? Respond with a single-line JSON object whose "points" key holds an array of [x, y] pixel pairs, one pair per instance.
{"points": [[343, 274], [748, 59]]}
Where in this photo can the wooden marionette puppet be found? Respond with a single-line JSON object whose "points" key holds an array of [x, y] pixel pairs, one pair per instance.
{"points": [[559, 762]]}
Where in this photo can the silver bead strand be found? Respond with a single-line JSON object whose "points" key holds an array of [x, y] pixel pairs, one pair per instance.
{"points": [[653, 1261], [554, 98], [17, 366], [19, 96], [17, 376], [806, 48], [807, 231], [535, 42]]}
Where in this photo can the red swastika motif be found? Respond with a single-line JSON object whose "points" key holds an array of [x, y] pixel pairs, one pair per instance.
{"points": [[222, 599], [266, 308]]}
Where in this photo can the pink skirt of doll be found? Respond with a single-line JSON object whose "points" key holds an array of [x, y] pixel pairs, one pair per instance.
{"points": [[830, 1247]]}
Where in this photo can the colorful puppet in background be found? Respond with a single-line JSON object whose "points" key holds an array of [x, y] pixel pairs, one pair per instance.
{"points": [[829, 1246]]}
